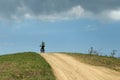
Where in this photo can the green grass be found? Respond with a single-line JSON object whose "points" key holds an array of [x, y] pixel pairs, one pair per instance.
{"points": [[24, 66], [109, 62]]}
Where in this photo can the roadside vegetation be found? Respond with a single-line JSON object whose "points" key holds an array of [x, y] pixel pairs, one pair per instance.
{"points": [[24, 66], [105, 61]]}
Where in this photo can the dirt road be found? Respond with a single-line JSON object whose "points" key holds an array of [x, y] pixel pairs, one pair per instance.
{"points": [[67, 68]]}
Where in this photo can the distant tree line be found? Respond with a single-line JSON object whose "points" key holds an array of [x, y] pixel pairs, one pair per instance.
{"points": [[92, 51]]}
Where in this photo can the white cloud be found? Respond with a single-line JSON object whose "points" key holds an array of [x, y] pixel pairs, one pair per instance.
{"points": [[90, 27], [115, 14], [74, 13], [17, 10], [28, 16], [107, 15]]}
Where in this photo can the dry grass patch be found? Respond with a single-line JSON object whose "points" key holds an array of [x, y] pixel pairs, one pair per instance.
{"points": [[109, 62]]}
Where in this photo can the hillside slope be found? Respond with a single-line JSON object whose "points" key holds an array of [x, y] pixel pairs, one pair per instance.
{"points": [[66, 67], [104, 61], [24, 66]]}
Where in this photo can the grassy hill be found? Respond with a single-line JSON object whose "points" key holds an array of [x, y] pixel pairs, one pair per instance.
{"points": [[109, 62], [24, 66]]}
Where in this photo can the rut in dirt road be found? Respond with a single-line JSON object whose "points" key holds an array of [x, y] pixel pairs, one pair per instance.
{"points": [[67, 68]]}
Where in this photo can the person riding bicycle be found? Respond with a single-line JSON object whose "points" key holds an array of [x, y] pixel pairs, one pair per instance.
{"points": [[42, 47]]}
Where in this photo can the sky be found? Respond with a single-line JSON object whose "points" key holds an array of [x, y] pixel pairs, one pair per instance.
{"points": [[64, 25]]}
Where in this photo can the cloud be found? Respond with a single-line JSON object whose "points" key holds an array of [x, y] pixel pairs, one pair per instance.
{"points": [[90, 27], [51, 10], [74, 13], [115, 15]]}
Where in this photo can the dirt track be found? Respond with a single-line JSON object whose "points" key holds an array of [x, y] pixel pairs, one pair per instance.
{"points": [[67, 68]]}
